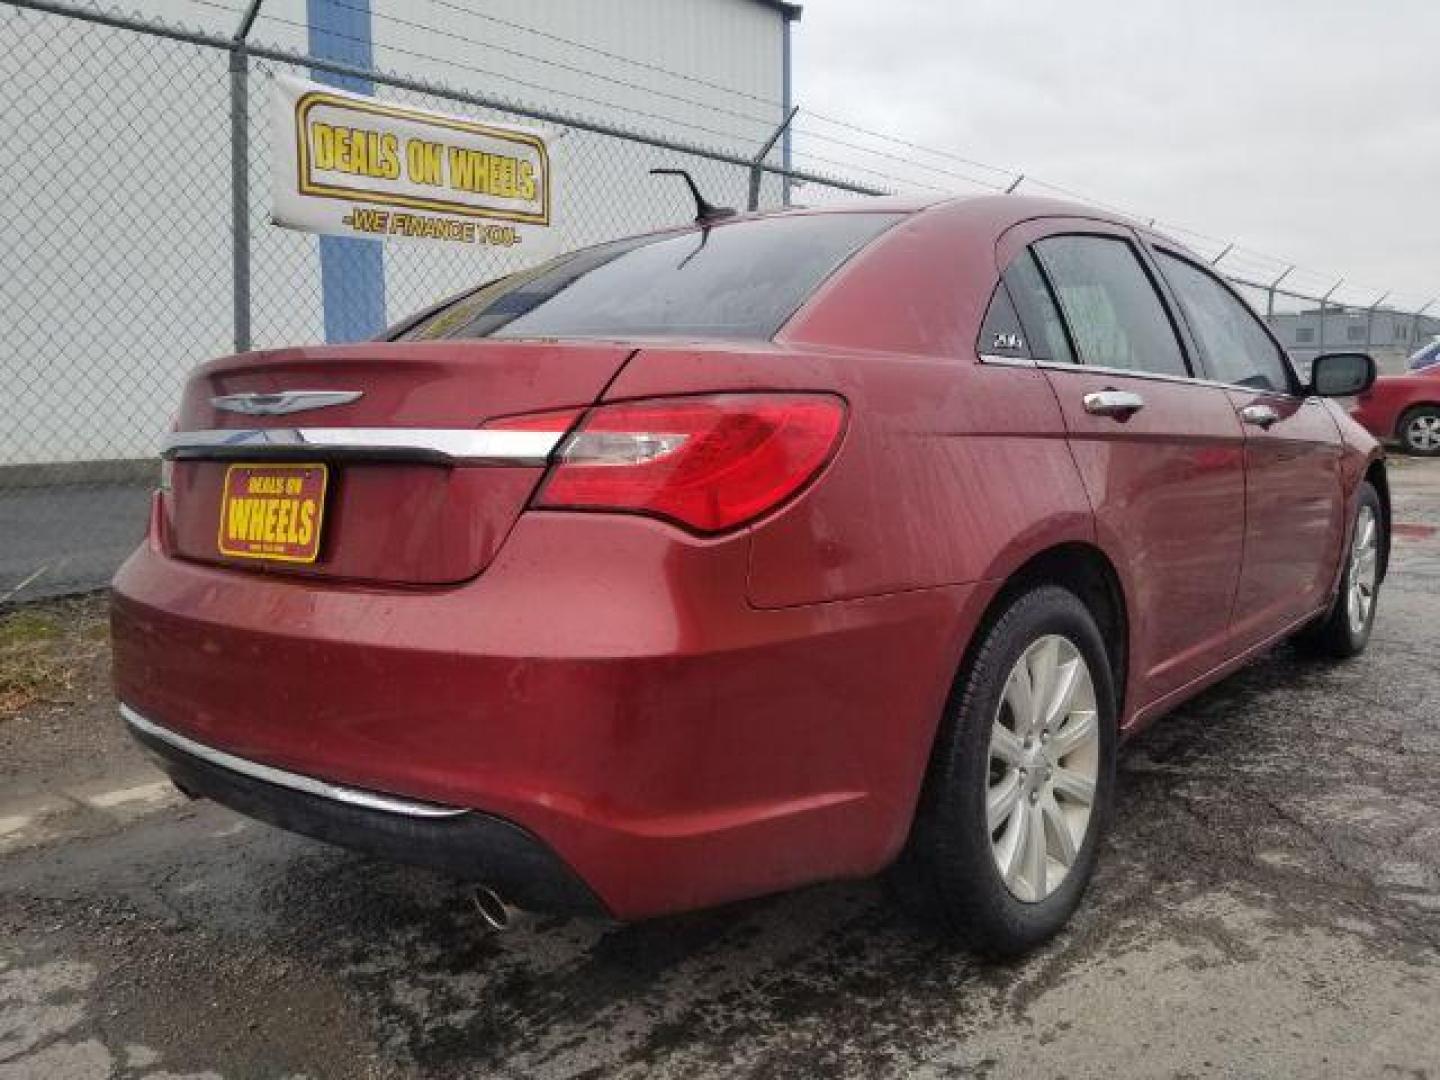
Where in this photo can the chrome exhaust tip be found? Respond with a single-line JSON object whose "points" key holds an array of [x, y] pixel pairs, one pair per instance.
{"points": [[498, 915]]}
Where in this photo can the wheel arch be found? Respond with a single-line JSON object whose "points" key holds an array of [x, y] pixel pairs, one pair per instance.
{"points": [[1378, 477], [1087, 571]]}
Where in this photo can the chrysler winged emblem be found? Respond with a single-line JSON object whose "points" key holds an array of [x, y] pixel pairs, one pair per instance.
{"points": [[284, 401]]}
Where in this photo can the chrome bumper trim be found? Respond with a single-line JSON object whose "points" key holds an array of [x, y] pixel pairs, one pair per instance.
{"points": [[441, 446], [369, 800]]}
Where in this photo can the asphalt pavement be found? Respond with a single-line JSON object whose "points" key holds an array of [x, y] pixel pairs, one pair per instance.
{"points": [[60, 539], [1267, 906]]}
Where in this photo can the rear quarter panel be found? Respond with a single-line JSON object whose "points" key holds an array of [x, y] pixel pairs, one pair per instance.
{"points": [[949, 476], [949, 471]]}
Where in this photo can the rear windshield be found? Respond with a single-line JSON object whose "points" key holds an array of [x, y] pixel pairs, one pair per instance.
{"points": [[1426, 357], [737, 280]]}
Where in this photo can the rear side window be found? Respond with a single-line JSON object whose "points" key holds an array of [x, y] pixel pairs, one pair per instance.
{"points": [[1114, 313], [1038, 312], [1235, 346], [1001, 333], [737, 280]]}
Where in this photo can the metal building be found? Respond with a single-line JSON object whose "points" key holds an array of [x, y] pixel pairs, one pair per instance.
{"points": [[1353, 327], [1389, 335]]}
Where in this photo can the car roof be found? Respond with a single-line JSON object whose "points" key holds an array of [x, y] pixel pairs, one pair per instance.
{"points": [[999, 212], [987, 213]]}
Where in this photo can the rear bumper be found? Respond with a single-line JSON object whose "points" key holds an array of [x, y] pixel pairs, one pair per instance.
{"points": [[464, 843], [604, 686]]}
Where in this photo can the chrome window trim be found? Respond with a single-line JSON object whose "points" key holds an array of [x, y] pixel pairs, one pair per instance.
{"points": [[444, 446], [369, 800], [1007, 361], [1129, 373], [1060, 365], [1185, 380]]}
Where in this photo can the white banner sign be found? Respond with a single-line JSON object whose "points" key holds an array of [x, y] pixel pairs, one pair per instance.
{"points": [[353, 165]]}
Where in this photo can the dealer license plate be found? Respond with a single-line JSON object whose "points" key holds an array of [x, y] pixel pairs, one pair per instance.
{"points": [[273, 512]]}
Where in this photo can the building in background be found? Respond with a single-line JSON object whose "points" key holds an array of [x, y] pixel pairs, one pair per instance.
{"points": [[1389, 335]]}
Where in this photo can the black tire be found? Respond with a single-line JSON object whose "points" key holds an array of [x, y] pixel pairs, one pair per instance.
{"points": [[948, 872], [1336, 634], [1408, 435]]}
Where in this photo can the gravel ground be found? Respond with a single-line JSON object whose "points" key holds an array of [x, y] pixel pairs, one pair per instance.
{"points": [[1268, 905]]}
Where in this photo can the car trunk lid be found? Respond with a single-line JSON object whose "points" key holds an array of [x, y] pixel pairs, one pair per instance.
{"points": [[414, 492]]}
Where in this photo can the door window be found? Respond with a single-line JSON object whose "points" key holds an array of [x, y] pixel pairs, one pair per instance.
{"points": [[1235, 346], [1110, 304]]}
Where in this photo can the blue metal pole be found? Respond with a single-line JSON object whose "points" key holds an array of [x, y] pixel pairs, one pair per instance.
{"points": [[352, 271]]}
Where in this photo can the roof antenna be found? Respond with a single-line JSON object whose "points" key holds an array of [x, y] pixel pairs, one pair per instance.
{"points": [[705, 213]]}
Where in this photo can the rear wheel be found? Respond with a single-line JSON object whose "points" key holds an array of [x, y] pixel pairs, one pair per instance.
{"points": [[1020, 783], [1345, 629], [1419, 430]]}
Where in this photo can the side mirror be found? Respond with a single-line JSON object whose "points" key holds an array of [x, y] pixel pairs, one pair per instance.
{"points": [[1342, 374]]}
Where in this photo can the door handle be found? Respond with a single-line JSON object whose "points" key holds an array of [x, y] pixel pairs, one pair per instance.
{"points": [[1118, 403], [1262, 416]]}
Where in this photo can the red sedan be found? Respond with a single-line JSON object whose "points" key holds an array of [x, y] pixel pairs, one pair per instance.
{"points": [[1405, 408], [714, 562]]}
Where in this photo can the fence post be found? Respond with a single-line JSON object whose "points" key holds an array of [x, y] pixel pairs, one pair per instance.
{"points": [[1320, 345], [1370, 320], [1270, 292], [240, 177]]}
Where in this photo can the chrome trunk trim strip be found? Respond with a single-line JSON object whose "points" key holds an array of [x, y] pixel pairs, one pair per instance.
{"points": [[441, 446]]}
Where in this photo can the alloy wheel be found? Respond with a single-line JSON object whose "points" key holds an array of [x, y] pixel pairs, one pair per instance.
{"points": [[1422, 434], [1364, 570], [1044, 764]]}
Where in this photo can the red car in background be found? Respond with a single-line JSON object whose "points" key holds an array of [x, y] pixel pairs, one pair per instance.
{"points": [[1406, 408], [778, 549]]}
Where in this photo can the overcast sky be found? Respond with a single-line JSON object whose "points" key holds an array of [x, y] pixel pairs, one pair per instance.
{"points": [[1306, 129]]}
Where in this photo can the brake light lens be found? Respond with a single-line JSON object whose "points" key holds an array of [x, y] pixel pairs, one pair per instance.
{"points": [[709, 464]]}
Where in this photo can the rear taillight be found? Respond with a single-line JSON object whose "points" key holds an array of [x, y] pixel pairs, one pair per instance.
{"points": [[707, 463]]}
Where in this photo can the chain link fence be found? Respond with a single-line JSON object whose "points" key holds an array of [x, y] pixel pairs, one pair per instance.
{"points": [[135, 203]]}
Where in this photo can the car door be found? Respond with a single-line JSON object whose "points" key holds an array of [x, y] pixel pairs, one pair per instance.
{"points": [[1294, 499], [1159, 453]]}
